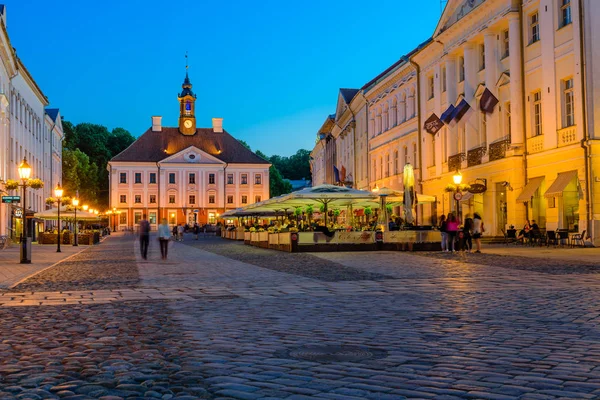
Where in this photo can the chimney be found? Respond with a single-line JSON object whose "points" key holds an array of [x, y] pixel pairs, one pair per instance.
{"points": [[156, 124], [217, 125]]}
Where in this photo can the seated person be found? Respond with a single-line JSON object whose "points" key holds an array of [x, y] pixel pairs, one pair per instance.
{"points": [[525, 232], [392, 225], [322, 228]]}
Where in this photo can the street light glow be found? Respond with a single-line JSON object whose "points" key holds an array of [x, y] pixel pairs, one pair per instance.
{"points": [[58, 191], [75, 202], [457, 178], [24, 170]]}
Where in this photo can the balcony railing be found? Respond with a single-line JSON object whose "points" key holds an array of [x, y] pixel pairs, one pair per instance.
{"points": [[498, 149], [535, 144], [474, 155], [567, 136], [455, 161]]}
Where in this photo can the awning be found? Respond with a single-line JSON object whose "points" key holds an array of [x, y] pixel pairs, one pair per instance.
{"points": [[560, 183], [529, 189]]}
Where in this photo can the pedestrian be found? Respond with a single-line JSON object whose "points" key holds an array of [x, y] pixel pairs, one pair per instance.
{"points": [[196, 230], [175, 230], [144, 236], [180, 230], [443, 224], [467, 235], [452, 228], [164, 235], [478, 229]]}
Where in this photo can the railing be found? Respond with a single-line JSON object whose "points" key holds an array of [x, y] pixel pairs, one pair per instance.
{"points": [[535, 144], [455, 161], [498, 149], [567, 136], [474, 155]]}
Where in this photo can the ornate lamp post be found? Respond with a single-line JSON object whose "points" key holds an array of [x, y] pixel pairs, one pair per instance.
{"points": [[457, 179], [24, 174], [75, 203], [58, 192]]}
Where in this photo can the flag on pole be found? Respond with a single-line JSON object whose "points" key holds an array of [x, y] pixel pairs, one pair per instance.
{"points": [[488, 101], [462, 109], [336, 174], [433, 124], [447, 115]]}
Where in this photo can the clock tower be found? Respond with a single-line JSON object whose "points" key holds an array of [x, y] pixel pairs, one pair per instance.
{"points": [[187, 106]]}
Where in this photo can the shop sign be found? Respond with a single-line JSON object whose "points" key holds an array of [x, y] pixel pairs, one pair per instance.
{"points": [[477, 188], [19, 213], [11, 199]]}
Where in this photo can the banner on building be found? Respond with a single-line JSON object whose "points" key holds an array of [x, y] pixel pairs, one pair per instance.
{"points": [[433, 124], [488, 101], [447, 115]]}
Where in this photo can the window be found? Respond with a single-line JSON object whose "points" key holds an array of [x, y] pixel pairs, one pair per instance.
{"points": [[430, 87], [569, 114], [461, 69], [137, 217], [152, 177], [433, 150], [211, 199], [211, 179], [374, 170], [396, 165], [537, 113], [481, 57], [244, 199], [387, 165], [123, 218], [152, 218], [123, 198], [414, 161], [230, 179], [138, 177], [172, 219], [257, 199], [192, 178], [534, 27], [137, 199], [171, 199], [244, 179], [258, 179], [505, 44], [152, 199], [508, 119], [444, 79], [405, 155], [380, 167], [171, 178], [565, 12], [229, 199], [192, 199], [123, 177]]}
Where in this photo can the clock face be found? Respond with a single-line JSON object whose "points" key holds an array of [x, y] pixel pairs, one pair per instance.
{"points": [[187, 123]]}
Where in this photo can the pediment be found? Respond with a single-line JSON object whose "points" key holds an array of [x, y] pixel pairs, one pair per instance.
{"points": [[191, 155], [454, 11], [504, 79], [480, 89], [341, 107]]}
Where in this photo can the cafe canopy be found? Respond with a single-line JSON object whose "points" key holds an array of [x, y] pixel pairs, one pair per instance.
{"points": [[66, 212]]}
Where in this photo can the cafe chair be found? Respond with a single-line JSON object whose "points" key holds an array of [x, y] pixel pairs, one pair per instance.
{"points": [[578, 239]]}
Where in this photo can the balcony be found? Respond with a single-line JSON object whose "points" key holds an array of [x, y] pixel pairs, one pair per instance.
{"points": [[455, 161], [567, 136], [498, 149], [535, 144], [474, 155]]}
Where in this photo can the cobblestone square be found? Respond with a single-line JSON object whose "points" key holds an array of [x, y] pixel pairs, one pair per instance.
{"points": [[222, 320]]}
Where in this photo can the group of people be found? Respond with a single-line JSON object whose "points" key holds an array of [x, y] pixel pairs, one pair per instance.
{"points": [[460, 238], [529, 231]]}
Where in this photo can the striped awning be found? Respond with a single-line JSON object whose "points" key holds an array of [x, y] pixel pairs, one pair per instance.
{"points": [[529, 189], [560, 183]]}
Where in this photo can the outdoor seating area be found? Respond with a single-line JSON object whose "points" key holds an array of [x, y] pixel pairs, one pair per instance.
{"points": [[335, 218], [542, 237]]}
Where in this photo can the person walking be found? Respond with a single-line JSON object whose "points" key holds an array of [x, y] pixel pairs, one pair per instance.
{"points": [[144, 236], [164, 235], [196, 230], [180, 230], [443, 231], [478, 230], [452, 228], [467, 235], [175, 230]]}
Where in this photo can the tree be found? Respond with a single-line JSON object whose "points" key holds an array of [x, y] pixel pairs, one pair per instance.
{"points": [[277, 185], [80, 176]]}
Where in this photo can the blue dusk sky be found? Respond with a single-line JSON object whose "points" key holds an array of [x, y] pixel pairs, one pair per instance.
{"points": [[271, 69]]}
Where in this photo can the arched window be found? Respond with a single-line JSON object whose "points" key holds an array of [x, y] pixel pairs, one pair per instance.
{"points": [[387, 165], [396, 162], [402, 108], [393, 114]]}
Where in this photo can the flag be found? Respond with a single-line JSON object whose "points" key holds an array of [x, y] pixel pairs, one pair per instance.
{"points": [[343, 174], [488, 101], [336, 174], [460, 111], [447, 115], [433, 124]]}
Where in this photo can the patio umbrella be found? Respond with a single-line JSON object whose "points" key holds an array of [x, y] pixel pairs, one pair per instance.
{"points": [[409, 193], [65, 213]]}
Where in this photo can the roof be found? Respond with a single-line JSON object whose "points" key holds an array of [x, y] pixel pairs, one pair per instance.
{"points": [[156, 146], [348, 94], [52, 113]]}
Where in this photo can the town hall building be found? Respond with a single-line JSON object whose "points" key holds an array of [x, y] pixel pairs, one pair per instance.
{"points": [[185, 174]]}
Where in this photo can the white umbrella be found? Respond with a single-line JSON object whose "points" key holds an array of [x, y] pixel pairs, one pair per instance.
{"points": [[65, 212]]}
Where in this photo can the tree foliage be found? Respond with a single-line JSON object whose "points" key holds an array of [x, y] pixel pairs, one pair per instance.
{"points": [[86, 151], [296, 166]]}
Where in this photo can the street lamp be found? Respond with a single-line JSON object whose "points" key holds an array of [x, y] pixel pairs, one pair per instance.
{"points": [[58, 192], [457, 178], [114, 211], [24, 174], [75, 203]]}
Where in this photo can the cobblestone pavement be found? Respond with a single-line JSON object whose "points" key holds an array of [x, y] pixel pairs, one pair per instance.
{"points": [[246, 327]]}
